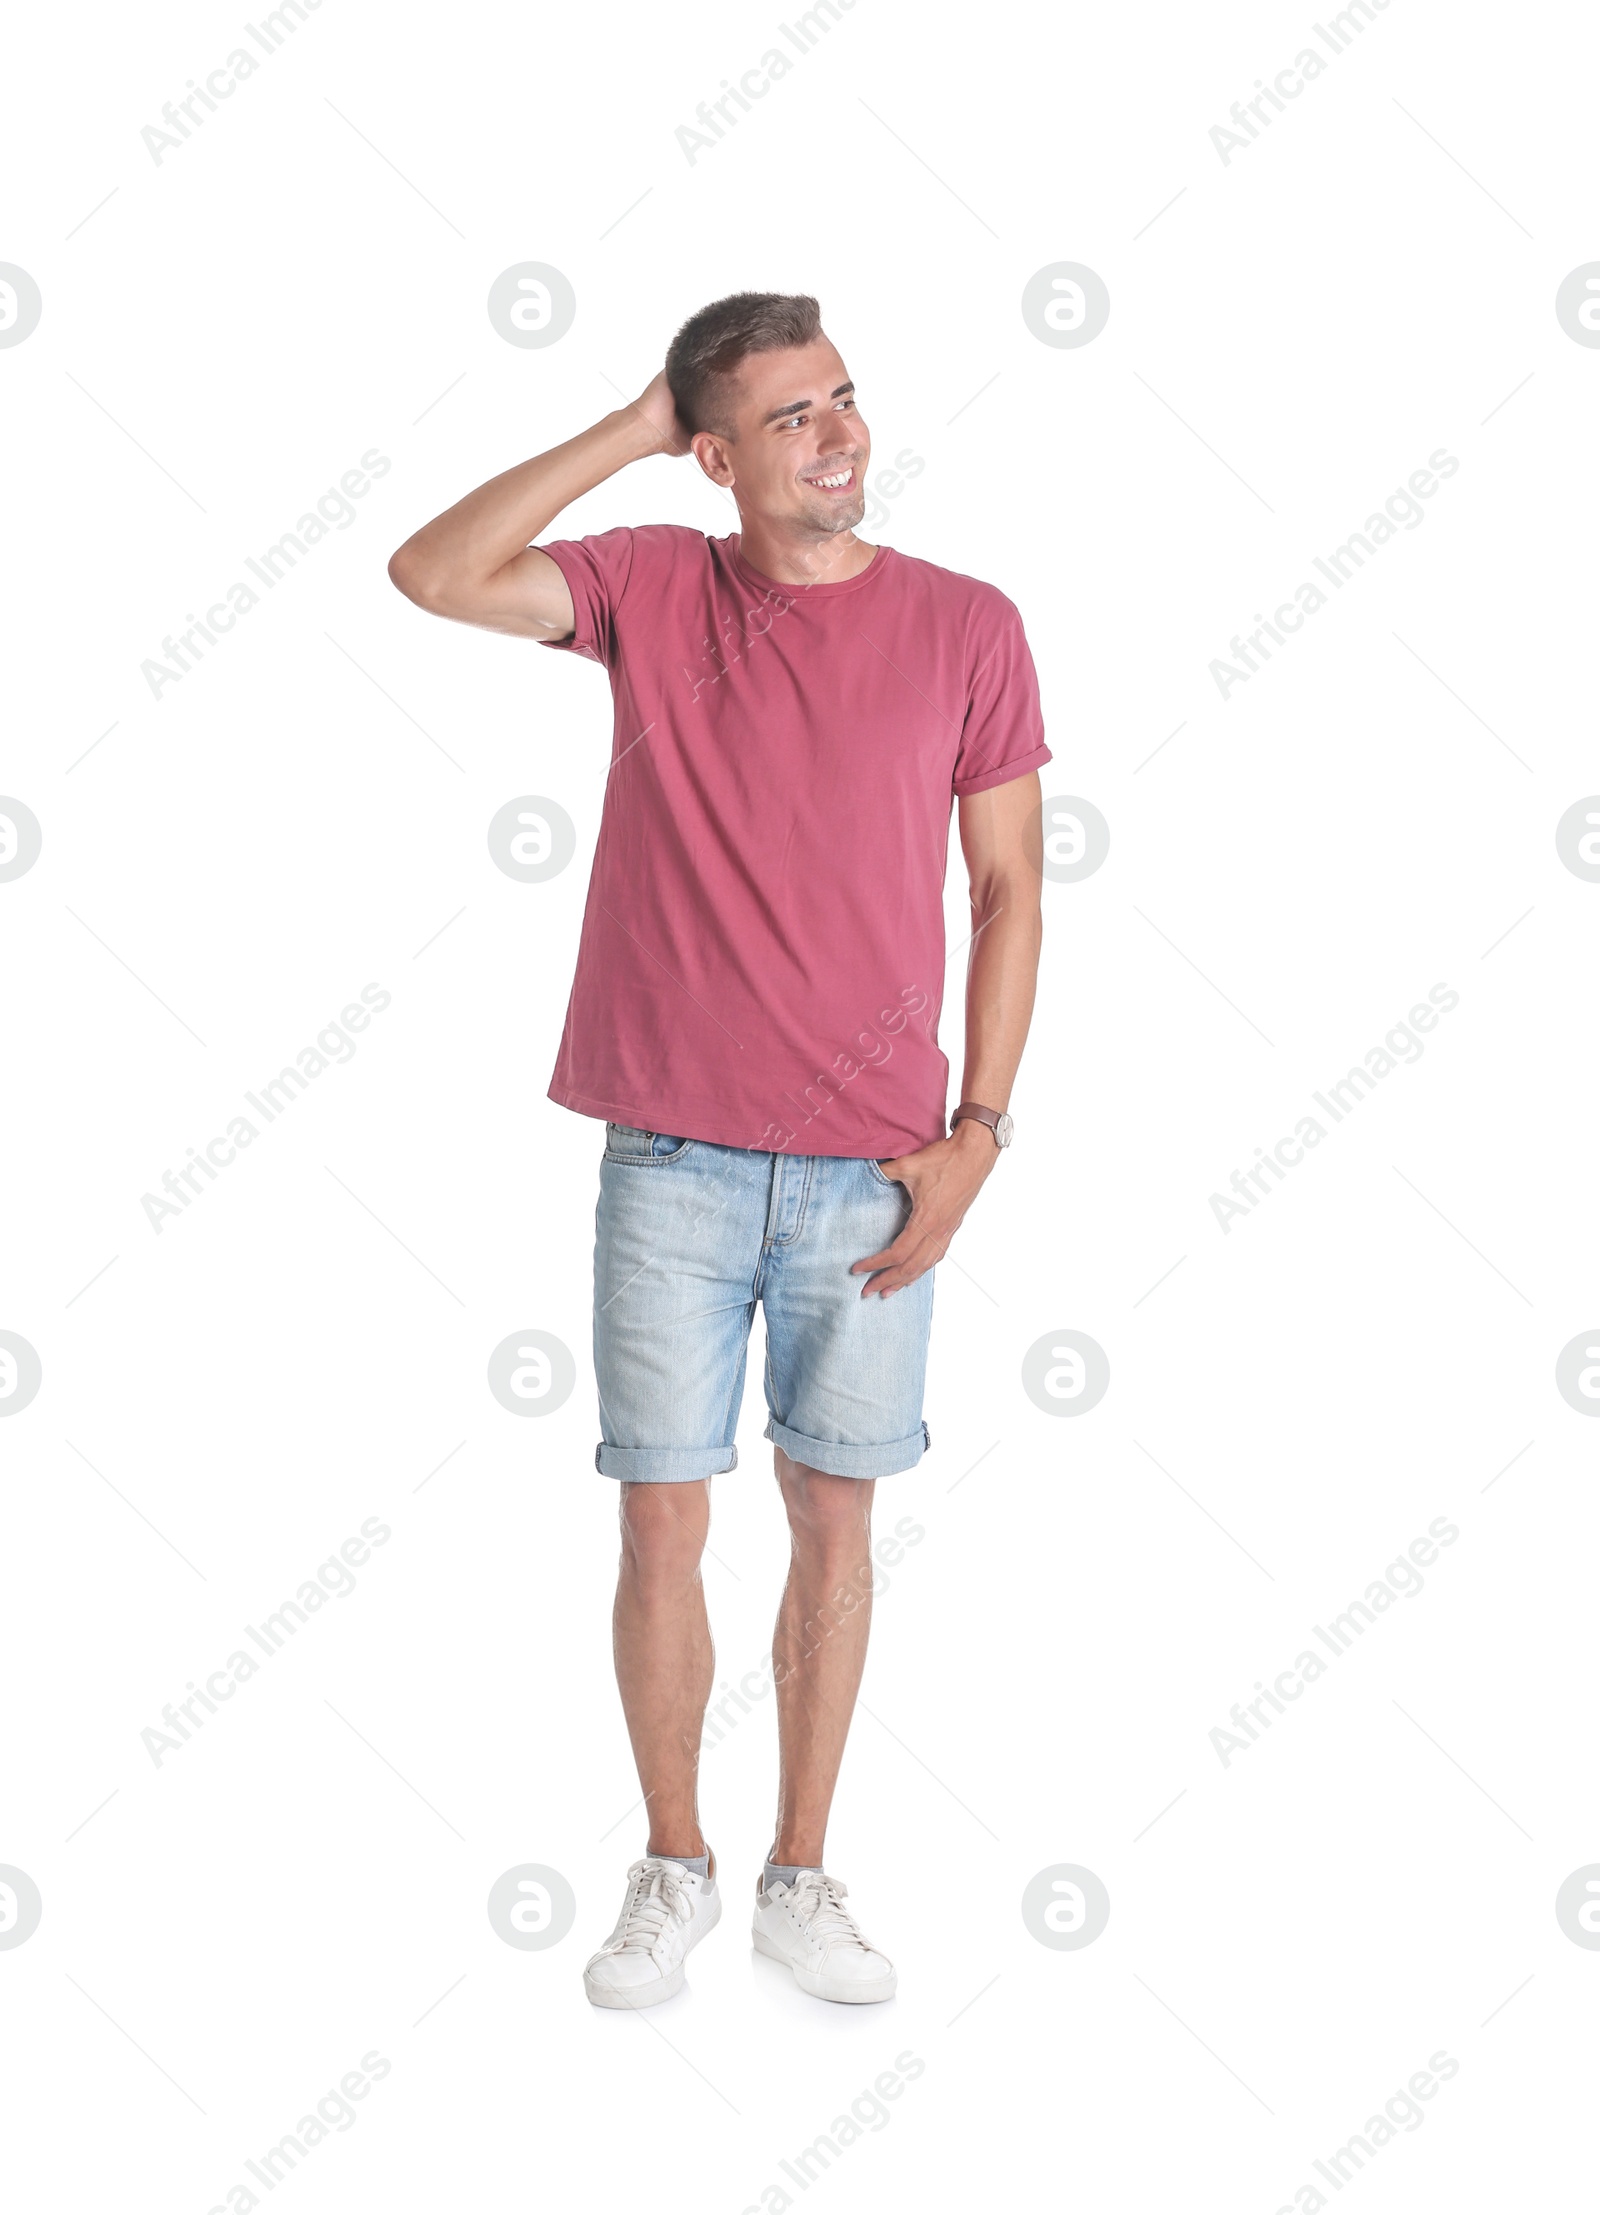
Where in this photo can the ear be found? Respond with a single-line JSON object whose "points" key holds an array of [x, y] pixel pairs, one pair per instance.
{"points": [[711, 452]]}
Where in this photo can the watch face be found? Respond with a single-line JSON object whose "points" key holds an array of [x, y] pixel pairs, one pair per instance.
{"points": [[1002, 1130]]}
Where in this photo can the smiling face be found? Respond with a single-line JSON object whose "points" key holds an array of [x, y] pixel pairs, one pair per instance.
{"points": [[797, 461]]}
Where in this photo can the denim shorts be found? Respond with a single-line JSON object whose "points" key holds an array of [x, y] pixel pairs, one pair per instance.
{"points": [[688, 1237]]}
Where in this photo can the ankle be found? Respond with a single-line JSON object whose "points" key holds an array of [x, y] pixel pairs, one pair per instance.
{"points": [[782, 1857], [683, 1852]]}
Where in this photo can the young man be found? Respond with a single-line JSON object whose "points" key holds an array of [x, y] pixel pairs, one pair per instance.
{"points": [[754, 1016]]}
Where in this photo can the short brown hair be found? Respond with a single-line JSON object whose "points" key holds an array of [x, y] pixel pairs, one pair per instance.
{"points": [[704, 358]]}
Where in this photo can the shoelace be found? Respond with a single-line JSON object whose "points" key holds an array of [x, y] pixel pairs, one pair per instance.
{"points": [[656, 1891], [816, 1901]]}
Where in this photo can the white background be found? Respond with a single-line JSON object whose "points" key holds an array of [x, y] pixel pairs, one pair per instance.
{"points": [[1292, 333]]}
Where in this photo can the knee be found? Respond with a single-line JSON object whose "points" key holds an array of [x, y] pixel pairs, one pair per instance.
{"points": [[662, 1537], [829, 1517]]}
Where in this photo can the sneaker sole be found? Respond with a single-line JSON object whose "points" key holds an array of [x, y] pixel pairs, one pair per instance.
{"points": [[665, 1988], [645, 1995], [819, 1987]]}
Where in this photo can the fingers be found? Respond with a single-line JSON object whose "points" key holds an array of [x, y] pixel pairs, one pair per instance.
{"points": [[900, 1250], [899, 1265], [895, 1280], [877, 1266]]}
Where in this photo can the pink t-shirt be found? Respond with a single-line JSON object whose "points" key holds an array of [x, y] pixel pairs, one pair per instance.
{"points": [[763, 955]]}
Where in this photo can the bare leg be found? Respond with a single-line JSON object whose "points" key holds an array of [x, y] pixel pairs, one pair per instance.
{"points": [[819, 1647], [664, 1658]]}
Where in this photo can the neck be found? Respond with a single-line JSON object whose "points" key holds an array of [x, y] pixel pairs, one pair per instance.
{"points": [[788, 560]]}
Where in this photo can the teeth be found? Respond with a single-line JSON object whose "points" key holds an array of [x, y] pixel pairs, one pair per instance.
{"points": [[843, 478]]}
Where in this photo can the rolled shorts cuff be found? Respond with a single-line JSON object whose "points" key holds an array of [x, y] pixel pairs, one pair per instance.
{"points": [[851, 1461], [664, 1464]]}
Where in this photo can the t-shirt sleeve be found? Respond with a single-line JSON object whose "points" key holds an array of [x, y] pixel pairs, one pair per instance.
{"points": [[1002, 735], [597, 571]]}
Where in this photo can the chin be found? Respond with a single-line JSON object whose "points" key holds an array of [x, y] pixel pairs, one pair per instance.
{"points": [[835, 519]]}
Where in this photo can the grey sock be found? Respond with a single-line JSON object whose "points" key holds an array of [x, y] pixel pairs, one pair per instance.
{"points": [[776, 1872], [697, 1864]]}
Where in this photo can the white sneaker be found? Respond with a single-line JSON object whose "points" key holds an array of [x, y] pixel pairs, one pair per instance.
{"points": [[805, 1925], [668, 1910]]}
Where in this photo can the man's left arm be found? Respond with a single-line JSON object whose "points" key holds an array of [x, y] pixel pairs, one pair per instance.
{"points": [[1001, 839]]}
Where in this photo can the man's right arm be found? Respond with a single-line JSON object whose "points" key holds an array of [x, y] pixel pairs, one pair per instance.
{"points": [[474, 562]]}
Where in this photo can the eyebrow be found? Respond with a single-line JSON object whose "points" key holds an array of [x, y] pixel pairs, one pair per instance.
{"points": [[798, 407]]}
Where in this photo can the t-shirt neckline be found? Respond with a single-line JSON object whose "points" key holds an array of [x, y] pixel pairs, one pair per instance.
{"points": [[735, 543]]}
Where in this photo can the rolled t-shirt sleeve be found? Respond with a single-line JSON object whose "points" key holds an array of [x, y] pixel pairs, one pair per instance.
{"points": [[597, 571], [1002, 735]]}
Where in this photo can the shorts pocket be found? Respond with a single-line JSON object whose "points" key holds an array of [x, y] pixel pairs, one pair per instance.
{"points": [[890, 1184], [644, 1149]]}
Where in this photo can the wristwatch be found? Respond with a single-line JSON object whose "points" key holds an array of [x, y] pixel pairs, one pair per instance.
{"points": [[1000, 1125]]}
